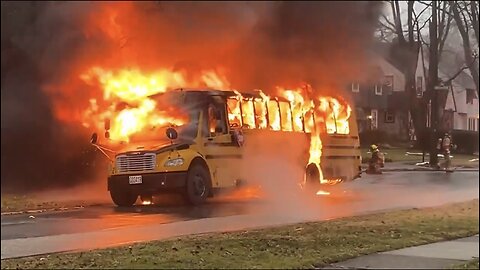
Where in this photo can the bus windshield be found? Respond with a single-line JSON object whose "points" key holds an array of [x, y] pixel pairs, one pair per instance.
{"points": [[132, 125]]}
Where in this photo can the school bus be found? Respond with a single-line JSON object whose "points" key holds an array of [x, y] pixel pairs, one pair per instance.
{"points": [[201, 156]]}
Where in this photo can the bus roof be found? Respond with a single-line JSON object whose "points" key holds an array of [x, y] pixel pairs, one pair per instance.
{"points": [[228, 93]]}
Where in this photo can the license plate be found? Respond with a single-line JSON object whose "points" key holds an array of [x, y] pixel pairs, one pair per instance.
{"points": [[134, 179]]}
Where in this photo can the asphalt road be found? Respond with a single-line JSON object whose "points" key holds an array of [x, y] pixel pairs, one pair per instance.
{"points": [[105, 225]]}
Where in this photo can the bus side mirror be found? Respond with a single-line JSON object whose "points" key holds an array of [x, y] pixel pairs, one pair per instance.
{"points": [[107, 124], [171, 133], [94, 138]]}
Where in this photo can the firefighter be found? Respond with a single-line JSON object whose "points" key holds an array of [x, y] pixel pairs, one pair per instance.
{"points": [[446, 148], [439, 150], [376, 161]]}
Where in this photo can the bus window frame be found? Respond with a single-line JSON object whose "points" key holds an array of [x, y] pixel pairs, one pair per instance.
{"points": [[265, 107], [221, 108], [241, 100], [228, 112]]}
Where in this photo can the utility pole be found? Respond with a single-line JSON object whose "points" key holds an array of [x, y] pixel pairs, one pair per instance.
{"points": [[433, 80]]}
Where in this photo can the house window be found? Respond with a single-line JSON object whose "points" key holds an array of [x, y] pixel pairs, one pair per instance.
{"points": [[471, 95], [378, 89], [472, 124], [419, 86], [355, 87], [374, 119], [388, 84], [389, 117]]}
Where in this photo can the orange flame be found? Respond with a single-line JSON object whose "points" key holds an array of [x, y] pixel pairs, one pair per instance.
{"points": [[147, 202], [323, 192], [132, 87], [317, 115]]}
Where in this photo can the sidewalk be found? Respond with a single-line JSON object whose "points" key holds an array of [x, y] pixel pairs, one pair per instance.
{"points": [[441, 255]]}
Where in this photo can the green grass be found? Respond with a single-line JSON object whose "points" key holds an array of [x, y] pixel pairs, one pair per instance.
{"points": [[473, 264], [23, 203], [304, 245], [398, 155]]}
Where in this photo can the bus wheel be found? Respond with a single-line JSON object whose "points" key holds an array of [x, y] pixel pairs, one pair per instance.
{"points": [[123, 197], [198, 185]]}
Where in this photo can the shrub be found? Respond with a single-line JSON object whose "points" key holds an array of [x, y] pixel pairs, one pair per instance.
{"points": [[466, 141]]}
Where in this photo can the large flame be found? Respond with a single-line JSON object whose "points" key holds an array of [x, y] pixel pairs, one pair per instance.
{"points": [[127, 92], [317, 115], [127, 103]]}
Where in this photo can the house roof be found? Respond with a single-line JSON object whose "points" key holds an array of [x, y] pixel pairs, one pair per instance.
{"points": [[447, 69], [396, 56]]}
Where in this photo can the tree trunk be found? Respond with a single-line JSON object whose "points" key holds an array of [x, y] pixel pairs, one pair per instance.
{"points": [[432, 82]]}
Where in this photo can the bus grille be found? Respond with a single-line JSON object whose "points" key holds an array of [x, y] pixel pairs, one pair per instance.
{"points": [[135, 163]]}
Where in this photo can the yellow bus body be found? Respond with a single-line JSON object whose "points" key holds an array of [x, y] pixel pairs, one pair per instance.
{"points": [[143, 170]]}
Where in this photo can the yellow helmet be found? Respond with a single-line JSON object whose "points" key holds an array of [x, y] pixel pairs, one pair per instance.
{"points": [[373, 147]]}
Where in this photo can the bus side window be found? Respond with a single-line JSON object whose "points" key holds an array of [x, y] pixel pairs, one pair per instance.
{"points": [[234, 115], [260, 113], [286, 116], [248, 116], [273, 115]]}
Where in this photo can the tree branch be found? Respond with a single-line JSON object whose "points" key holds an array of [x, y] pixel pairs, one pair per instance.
{"points": [[388, 21], [475, 57], [388, 27], [398, 22], [424, 24], [444, 32], [421, 12], [474, 18], [410, 24], [461, 27], [430, 4]]}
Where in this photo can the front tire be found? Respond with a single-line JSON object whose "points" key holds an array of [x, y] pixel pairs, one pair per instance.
{"points": [[198, 185], [123, 198]]}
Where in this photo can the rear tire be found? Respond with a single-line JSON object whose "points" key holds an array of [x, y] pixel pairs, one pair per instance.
{"points": [[124, 198], [312, 179], [198, 185]]}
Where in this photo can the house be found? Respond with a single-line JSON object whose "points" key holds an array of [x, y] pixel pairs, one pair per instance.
{"points": [[380, 100], [458, 98], [383, 105], [460, 101]]}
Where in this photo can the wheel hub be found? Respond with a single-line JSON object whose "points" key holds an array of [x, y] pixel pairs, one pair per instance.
{"points": [[199, 187]]}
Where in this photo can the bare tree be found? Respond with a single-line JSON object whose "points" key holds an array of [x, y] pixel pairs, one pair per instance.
{"points": [[439, 24], [405, 48], [465, 14]]}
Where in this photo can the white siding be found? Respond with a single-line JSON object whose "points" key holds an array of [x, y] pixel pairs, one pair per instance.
{"points": [[388, 69], [460, 121], [419, 71]]}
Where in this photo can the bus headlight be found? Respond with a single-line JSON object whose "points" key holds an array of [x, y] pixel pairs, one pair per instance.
{"points": [[174, 162]]}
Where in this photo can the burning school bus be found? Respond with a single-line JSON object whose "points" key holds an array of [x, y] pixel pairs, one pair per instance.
{"points": [[195, 152]]}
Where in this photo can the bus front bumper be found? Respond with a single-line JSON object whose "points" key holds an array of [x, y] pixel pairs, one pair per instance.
{"points": [[150, 184]]}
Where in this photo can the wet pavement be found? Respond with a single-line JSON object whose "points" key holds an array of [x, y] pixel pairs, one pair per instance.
{"points": [[105, 225]]}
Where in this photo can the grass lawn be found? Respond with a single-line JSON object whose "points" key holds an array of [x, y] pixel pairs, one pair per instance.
{"points": [[398, 155], [22, 203], [304, 245], [473, 264]]}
